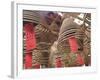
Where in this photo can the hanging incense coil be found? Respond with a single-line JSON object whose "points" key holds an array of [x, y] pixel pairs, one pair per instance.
{"points": [[44, 40], [87, 46], [31, 16], [87, 39], [40, 56], [68, 29]]}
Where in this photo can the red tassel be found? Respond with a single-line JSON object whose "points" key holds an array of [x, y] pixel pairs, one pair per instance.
{"points": [[73, 44]]}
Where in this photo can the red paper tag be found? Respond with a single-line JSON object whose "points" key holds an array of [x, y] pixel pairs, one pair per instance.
{"points": [[58, 62], [30, 36], [80, 59], [36, 66], [28, 60], [73, 44]]}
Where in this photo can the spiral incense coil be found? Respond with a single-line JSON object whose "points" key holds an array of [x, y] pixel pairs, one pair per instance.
{"points": [[68, 29], [44, 40], [31, 16], [40, 29], [87, 45]]}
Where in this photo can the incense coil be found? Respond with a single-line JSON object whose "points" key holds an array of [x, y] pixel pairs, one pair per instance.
{"points": [[31, 16], [44, 40], [68, 29], [40, 57], [54, 53]]}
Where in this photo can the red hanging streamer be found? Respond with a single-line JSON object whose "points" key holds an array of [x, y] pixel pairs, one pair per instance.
{"points": [[30, 43]]}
